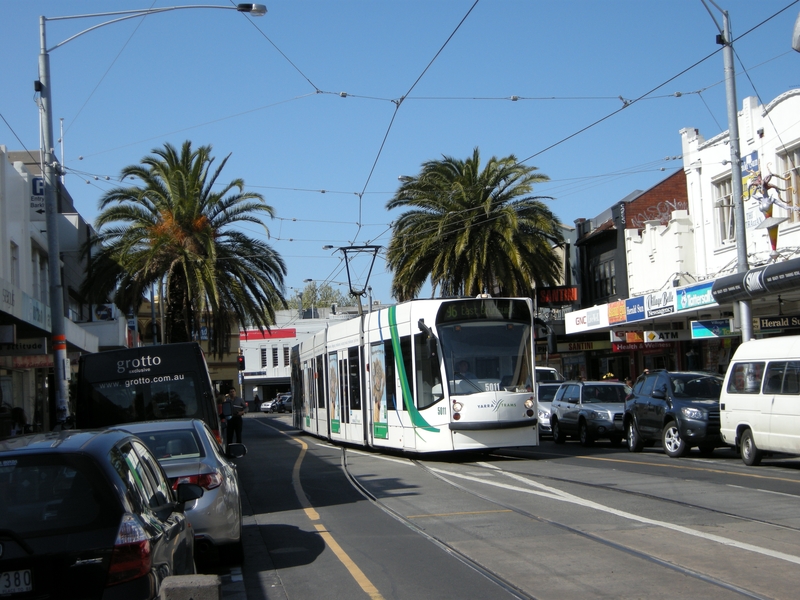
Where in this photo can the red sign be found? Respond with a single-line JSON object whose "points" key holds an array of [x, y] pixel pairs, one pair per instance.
{"points": [[556, 296], [616, 312], [616, 347], [255, 334]]}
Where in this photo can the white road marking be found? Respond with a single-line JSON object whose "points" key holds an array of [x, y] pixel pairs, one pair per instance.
{"points": [[556, 494]]}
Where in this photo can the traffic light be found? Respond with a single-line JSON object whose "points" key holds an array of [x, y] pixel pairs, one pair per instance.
{"points": [[240, 359]]}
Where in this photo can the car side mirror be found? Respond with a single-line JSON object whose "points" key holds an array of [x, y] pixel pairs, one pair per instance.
{"points": [[659, 394], [236, 450]]}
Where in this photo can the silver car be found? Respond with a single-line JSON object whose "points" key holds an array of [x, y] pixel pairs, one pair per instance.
{"points": [[545, 392], [188, 453], [588, 410]]}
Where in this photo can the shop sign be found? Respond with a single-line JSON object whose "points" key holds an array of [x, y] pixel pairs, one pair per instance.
{"points": [[695, 296], [556, 296], [616, 312], [660, 303], [716, 328], [634, 309], [583, 346], [24, 347], [621, 336], [37, 199], [640, 346], [586, 319], [779, 322], [33, 362], [655, 337]]}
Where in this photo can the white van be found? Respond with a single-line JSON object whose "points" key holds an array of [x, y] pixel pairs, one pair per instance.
{"points": [[760, 400]]}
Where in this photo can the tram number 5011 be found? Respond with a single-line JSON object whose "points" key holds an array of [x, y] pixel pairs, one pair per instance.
{"points": [[492, 387], [442, 410]]}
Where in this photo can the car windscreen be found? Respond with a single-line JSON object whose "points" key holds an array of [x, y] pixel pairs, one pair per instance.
{"points": [[46, 493], [145, 399], [706, 387], [604, 393], [547, 392], [172, 445]]}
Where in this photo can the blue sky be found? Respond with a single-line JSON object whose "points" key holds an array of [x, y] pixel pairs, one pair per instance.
{"points": [[306, 98]]}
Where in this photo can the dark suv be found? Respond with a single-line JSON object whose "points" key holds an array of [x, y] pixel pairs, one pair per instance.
{"points": [[679, 408]]}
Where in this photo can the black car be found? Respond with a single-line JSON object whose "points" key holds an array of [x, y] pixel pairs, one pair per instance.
{"points": [[89, 514], [678, 408]]}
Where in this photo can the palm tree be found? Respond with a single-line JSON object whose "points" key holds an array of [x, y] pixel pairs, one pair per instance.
{"points": [[176, 229], [473, 231]]}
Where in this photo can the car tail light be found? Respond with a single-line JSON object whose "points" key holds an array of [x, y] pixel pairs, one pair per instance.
{"points": [[130, 558], [218, 436], [207, 481]]}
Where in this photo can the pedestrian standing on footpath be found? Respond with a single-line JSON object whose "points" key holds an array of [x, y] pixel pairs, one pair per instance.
{"points": [[238, 408]]}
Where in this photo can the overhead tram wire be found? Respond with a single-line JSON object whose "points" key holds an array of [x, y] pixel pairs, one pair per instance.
{"points": [[397, 108], [646, 94]]}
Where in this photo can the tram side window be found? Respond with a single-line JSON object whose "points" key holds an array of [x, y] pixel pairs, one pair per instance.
{"points": [[405, 350], [427, 371], [354, 377], [391, 382], [320, 376]]}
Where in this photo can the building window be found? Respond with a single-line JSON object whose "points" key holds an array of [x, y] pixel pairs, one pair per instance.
{"points": [[274, 356], [286, 356], [263, 357], [605, 279], [14, 264], [789, 167], [723, 203]]}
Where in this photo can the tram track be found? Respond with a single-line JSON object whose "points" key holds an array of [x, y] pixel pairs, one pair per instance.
{"points": [[593, 537], [644, 495]]}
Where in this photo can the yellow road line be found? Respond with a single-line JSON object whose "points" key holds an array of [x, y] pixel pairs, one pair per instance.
{"points": [[678, 466], [355, 572]]}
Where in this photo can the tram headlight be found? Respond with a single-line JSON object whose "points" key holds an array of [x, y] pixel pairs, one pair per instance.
{"points": [[457, 406], [529, 403]]}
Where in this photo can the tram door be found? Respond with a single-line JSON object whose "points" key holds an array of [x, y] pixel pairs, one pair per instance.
{"points": [[348, 406], [320, 412]]}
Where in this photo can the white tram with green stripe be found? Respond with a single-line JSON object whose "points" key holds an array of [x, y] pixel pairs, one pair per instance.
{"points": [[389, 379]]}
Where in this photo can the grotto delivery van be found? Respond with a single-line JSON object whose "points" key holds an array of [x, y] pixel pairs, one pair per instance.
{"points": [[142, 384], [760, 400]]}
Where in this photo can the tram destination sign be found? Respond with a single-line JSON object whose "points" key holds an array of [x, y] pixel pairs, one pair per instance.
{"points": [[489, 308]]}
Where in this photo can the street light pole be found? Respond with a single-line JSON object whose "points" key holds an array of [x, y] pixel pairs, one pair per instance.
{"points": [[57, 317]]}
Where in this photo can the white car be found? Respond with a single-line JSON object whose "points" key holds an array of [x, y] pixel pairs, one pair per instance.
{"points": [[267, 405]]}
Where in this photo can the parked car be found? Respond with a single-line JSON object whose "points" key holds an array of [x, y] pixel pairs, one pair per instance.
{"points": [[188, 453], [678, 408], [547, 374], [588, 409], [90, 514], [284, 403], [268, 405], [545, 392], [759, 404]]}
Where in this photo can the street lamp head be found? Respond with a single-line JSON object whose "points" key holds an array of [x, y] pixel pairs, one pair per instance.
{"points": [[255, 10], [307, 280], [327, 247], [796, 35]]}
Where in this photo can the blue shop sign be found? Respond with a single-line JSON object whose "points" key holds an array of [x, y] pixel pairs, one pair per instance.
{"points": [[634, 309], [695, 296]]}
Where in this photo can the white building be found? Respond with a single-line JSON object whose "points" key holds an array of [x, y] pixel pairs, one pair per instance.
{"points": [[25, 317]]}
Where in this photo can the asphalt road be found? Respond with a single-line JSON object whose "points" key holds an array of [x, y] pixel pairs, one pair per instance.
{"points": [[556, 521]]}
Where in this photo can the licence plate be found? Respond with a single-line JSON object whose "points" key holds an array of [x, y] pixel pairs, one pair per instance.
{"points": [[15, 582]]}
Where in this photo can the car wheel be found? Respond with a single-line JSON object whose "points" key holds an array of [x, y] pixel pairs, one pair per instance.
{"points": [[751, 455], [634, 441], [585, 435], [706, 450], [558, 435], [672, 442]]}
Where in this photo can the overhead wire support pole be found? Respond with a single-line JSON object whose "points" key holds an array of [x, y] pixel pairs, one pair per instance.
{"points": [[726, 40]]}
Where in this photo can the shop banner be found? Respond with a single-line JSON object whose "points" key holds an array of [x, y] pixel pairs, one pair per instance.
{"points": [[693, 297], [716, 328]]}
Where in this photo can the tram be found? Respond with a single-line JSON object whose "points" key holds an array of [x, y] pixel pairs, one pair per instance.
{"points": [[437, 375]]}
